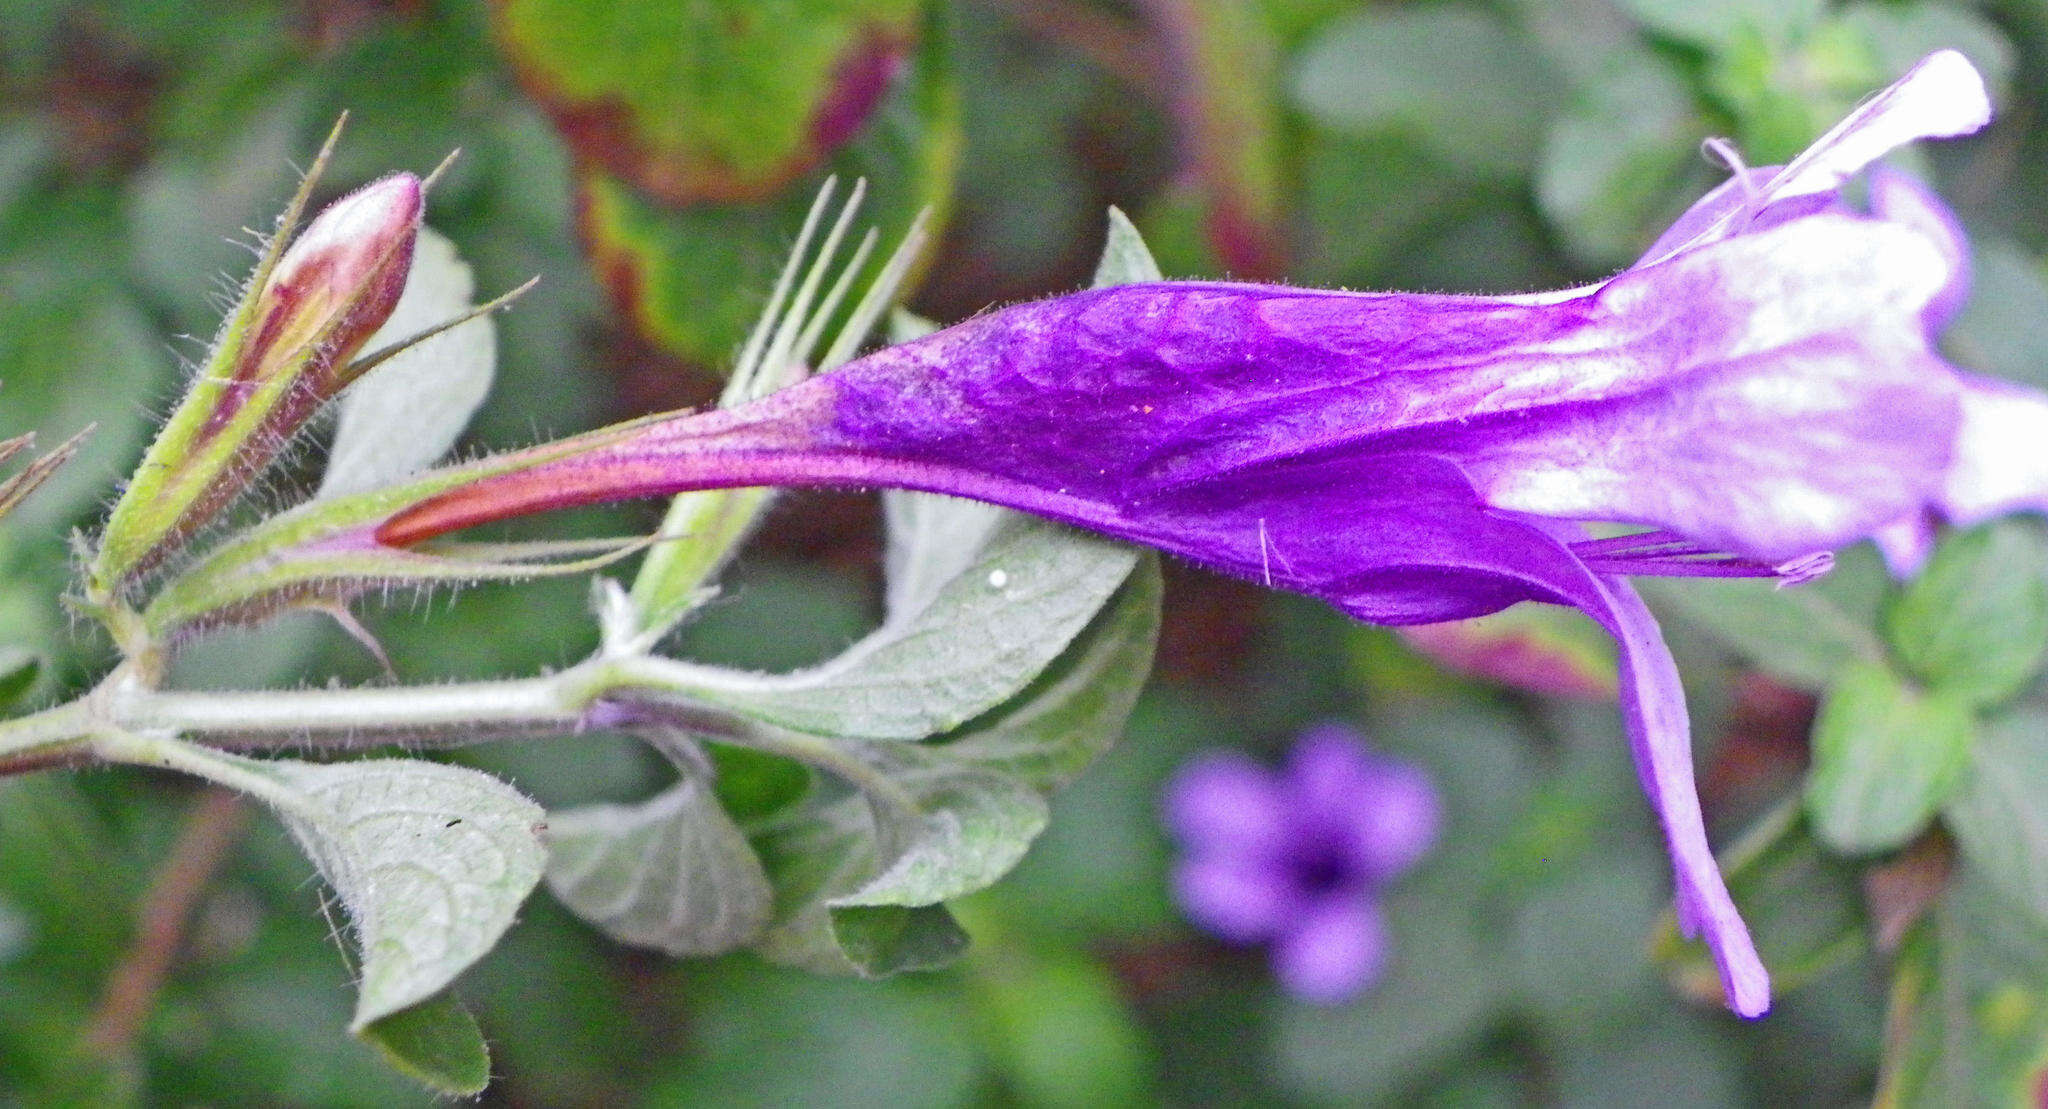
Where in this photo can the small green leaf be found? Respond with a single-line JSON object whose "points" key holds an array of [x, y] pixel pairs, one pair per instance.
{"points": [[932, 828], [1802, 635], [437, 1042], [956, 829], [2000, 816], [673, 873], [950, 817], [430, 861], [1077, 707], [1885, 757], [1969, 1005], [1974, 624]]}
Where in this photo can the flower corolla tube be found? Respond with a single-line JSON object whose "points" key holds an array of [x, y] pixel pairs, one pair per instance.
{"points": [[1760, 389]]}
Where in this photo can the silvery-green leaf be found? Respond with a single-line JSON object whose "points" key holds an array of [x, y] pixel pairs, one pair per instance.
{"points": [[826, 851], [430, 861], [932, 538], [436, 1042], [857, 877], [951, 817], [1077, 708], [1125, 258], [964, 826], [405, 414], [673, 873], [981, 636]]}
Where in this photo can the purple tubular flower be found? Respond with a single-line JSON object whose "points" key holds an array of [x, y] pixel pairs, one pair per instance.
{"points": [[1760, 389], [1299, 856]]}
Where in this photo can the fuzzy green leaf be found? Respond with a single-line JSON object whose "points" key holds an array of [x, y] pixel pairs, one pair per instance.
{"points": [[673, 873], [957, 647], [943, 819], [430, 861]]}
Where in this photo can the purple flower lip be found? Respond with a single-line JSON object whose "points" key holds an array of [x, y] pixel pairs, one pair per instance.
{"points": [[1761, 389], [1300, 856]]}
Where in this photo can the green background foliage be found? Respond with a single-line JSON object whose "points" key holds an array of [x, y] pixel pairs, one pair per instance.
{"points": [[1899, 887]]}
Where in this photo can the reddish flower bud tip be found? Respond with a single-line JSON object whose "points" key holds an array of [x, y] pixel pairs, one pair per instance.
{"points": [[351, 260], [356, 234]]}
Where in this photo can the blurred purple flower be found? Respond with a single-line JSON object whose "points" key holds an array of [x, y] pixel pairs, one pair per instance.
{"points": [[1299, 856]]}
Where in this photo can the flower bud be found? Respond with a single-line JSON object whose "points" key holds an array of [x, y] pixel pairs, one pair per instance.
{"points": [[284, 351]]}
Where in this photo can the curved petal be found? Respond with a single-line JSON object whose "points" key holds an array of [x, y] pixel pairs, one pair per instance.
{"points": [[1902, 198], [1237, 899], [1780, 397], [1942, 96], [1335, 948], [1224, 803], [1660, 738], [2001, 463], [1395, 820]]}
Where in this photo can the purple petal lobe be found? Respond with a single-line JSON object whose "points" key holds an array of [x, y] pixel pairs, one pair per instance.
{"points": [[1940, 97], [1903, 199], [1659, 735], [1395, 820], [1225, 803], [1335, 948], [2001, 452], [1770, 395], [1328, 772], [1238, 898]]}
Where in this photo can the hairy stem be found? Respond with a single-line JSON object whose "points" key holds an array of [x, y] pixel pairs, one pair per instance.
{"points": [[125, 721]]}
